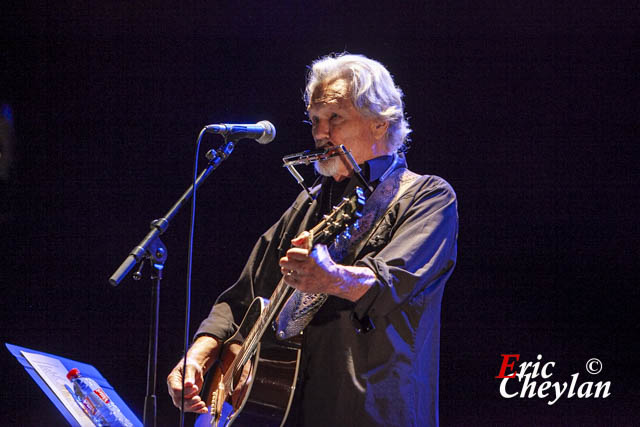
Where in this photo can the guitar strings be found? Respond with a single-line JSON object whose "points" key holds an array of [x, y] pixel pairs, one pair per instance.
{"points": [[253, 337]]}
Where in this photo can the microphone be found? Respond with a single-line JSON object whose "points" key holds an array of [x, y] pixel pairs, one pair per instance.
{"points": [[264, 132]]}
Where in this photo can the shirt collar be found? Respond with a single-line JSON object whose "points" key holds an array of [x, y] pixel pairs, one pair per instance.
{"points": [[376, 167], [372, 170]]}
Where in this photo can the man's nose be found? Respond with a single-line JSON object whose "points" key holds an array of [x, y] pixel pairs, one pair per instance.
{"points": [[321, 131]]}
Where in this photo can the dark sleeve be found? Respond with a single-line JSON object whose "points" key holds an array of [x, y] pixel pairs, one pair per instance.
{"points": [[421, 249], [232, 304]]}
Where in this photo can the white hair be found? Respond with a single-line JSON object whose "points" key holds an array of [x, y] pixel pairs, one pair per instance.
{"points": [[372, 90]]}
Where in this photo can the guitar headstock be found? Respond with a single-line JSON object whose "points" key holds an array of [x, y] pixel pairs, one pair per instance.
{"points": [[346, 213]]}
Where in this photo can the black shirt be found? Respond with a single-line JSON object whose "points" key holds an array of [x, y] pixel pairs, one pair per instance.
{"points": [[387, 375]]}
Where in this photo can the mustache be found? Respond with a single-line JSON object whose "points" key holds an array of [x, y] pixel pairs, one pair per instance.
{"points": [[324, 144]]}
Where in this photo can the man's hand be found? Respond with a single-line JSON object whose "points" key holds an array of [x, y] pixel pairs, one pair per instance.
{"points": [[200, 357], [315, 272]]}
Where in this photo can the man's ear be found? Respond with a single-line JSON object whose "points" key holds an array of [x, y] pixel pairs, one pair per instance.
{"points": [[379, 128]]}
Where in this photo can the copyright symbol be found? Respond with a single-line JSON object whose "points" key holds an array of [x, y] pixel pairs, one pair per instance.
{"points": [[594, 366]]}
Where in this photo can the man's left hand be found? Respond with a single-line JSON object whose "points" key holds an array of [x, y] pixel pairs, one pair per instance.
{"points": [[313, 271]]}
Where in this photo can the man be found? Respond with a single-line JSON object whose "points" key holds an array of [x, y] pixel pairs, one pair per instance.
{"points": [[370, 354]]}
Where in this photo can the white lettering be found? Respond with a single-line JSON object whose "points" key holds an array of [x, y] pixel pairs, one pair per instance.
{"points": [[544, 369], [503, 389], [585, 393], [530, 386], [599, 386], [536, 366], [559, 392], [541, 390], [574, 379], [523, 369]]}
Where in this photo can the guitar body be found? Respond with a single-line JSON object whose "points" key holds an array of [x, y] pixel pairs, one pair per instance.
{"points": [[268, 366], [266, 398]]}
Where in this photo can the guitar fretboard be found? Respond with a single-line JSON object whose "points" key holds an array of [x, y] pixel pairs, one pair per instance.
{"points": [[327, 228]]}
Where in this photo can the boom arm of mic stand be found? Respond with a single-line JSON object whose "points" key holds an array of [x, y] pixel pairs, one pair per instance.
{"points": [[151, 245]]}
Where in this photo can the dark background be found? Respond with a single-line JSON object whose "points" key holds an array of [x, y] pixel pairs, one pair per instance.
{"points": [[530, 112]]}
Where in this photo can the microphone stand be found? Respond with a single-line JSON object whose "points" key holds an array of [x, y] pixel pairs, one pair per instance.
{"points": [[151, 248]]}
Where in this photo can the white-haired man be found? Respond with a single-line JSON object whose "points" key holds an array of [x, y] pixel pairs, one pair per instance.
{"points": [[370, 354]]}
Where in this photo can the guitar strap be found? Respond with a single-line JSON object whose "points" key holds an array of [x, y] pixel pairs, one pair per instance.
{"points": [[300, 308]]}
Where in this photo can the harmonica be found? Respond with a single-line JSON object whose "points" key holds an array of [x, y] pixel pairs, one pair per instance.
{"points": [[311, 156]]}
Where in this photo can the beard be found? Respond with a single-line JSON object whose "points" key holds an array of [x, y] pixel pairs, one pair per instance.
{"points": [[329, 167]]}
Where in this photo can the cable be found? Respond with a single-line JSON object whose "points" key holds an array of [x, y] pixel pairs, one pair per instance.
{"points": [[187, 315]]}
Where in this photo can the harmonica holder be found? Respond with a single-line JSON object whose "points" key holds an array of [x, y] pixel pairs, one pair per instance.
{"points": [[312, 156]]}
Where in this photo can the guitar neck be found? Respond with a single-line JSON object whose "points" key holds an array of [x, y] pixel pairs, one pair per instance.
{"points": [[343, 214], [277, 299]]}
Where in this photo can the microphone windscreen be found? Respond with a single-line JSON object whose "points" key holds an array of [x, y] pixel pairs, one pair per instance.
{"points": [[269, 132]]}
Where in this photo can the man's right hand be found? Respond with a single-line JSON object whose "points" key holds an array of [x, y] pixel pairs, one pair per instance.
{"points": [[200, 357]]}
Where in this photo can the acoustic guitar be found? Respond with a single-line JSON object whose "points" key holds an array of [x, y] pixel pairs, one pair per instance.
{"points": [[268, 366]]}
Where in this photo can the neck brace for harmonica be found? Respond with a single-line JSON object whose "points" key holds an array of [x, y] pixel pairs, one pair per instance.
{"points": [[312, 156]]}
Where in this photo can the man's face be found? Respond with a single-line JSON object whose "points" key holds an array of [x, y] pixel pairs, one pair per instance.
{"points": [[336, 121]]}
